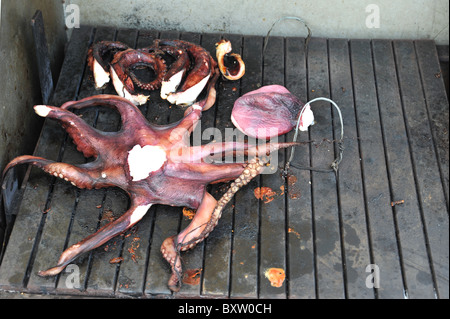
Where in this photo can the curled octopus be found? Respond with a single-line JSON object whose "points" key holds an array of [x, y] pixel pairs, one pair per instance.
{"points": [[180, 69]]}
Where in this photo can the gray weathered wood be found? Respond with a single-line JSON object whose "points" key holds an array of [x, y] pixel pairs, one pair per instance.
{"points": [[301, 283], [435, 215], [350, 189], [426, 170], [383, 240]]}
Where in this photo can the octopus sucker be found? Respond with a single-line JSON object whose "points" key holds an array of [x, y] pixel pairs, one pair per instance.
{"points": [[231, 65]]}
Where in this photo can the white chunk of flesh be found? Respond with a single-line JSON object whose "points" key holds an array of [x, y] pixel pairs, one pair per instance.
{"points": [[171, 85], [42, 110], [144, 160], [307, 118], [138, 213], [100, 75], [190, 95], [136, 99]]}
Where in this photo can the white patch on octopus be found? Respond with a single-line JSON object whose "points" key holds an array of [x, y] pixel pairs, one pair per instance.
{"points": [[137, 99], [144, 160], [42, 110], [307, 119], [138, 213], [197, 107], [171, 85], [100, 75], [190, 95]]}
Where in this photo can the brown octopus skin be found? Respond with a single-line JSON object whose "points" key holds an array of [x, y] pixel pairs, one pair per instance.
{"points": [[202, 67], [176, 71], [179, 179], [124, 61], [180, 56], [101, 54], [99, 51]]}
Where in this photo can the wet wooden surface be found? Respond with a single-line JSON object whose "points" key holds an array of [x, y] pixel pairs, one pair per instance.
{"points": [[327, 233]]}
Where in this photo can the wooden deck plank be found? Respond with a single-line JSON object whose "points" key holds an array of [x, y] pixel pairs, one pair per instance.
{"points": [[25, 237], [435, 216], [383, 241], [244, 273], [437, 104], [350, 189], [301, 277], [429, 185], [324, 194], [401, 172], [273, 214]]}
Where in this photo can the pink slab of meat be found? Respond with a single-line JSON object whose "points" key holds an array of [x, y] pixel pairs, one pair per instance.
{"points": [[267, 112]]}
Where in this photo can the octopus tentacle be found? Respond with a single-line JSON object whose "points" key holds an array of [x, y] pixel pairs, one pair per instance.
{"points": [[172, 256], [212, 150], [130, 115], [176, 71], [121, 224], [82, 176], [99, 57], [207, 172], [84, 136], [193, 114], [204, 221], [169, 247], [198, 76], [210, 98], [252, 169]]}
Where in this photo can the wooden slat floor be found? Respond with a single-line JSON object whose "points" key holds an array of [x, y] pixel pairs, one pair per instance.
{"points": [[330, 234]]}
